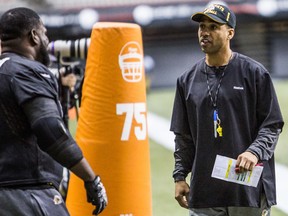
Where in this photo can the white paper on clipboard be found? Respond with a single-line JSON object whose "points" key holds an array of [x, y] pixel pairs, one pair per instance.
{"points": [[224, 169]]}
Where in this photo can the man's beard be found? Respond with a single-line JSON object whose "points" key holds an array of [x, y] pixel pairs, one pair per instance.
{"points": [[44, 55]]}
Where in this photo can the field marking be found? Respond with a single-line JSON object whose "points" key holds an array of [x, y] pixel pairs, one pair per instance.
{"points": [[159, 131]]}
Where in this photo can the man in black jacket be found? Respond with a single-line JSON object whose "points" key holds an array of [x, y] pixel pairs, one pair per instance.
{"points": [[34, 140], [225, 105]]}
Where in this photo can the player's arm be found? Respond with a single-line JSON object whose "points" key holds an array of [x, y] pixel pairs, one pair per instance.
{"points": [[265, 143], [52, 135], [55, 139], [269, 121], [262, 149], [183, 155]]}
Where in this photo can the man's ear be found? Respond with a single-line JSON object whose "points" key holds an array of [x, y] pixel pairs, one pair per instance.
{"points": [[231, 33], [34, 37]]}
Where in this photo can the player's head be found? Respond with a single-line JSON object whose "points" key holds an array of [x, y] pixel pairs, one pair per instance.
{"points": [[17, 22], [23, 24], [218, 13], [216, 28]]}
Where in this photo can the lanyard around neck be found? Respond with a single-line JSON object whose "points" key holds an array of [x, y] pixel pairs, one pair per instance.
{"points": [[214, 100], [218, 131]]}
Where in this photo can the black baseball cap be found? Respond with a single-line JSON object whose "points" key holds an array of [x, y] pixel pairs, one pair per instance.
{"points": [[218, 13]]}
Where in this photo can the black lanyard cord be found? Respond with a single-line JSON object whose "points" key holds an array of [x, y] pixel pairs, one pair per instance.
{"points": [[214, 100]]}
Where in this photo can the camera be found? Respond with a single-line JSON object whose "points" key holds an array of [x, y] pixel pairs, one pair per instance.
{"points": [[70, 57], [69, 48]]}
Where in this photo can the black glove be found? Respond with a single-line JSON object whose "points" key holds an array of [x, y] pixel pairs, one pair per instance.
{"points": [[96, 194]]}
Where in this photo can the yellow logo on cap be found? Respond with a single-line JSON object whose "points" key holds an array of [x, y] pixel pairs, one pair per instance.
{"points": [[210, 11], [228, 16], [219, 7]]}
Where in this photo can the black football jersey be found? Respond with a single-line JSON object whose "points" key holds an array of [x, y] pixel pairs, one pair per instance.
{"points": [[22, 162]]}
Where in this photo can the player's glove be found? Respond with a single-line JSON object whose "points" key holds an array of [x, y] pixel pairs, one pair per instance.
{"points": [[96, 194]]}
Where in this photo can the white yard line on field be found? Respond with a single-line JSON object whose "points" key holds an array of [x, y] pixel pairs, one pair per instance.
{"points": [[158, 130]]}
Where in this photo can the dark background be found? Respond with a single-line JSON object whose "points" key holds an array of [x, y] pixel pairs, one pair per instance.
{"points": [[169, 36]]}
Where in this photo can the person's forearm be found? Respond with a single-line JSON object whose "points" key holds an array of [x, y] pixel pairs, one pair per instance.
{"points": [[264, 145], [83, 170], [183, 155]]}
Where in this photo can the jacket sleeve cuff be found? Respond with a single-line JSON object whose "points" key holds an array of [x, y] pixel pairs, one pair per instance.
{"points": [[179, 178], [254, 152]]}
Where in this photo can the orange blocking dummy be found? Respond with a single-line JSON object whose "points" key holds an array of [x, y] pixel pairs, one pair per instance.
{"points": [[112, 126]]}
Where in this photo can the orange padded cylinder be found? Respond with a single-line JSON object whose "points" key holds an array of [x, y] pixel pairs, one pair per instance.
{"points": [[112, 126]]}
